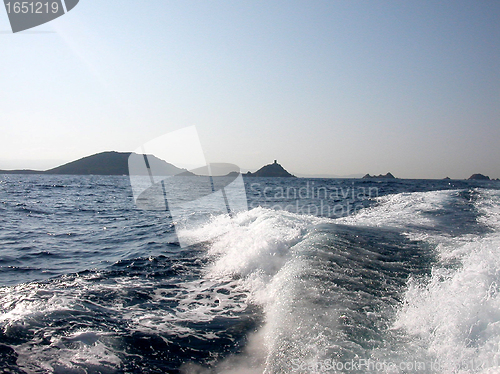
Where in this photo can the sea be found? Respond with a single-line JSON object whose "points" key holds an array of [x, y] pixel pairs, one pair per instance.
{"points": [[315, 276]]}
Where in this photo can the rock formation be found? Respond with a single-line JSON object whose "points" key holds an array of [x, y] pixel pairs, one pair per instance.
{"points": [[387, 176], [271, 170]]}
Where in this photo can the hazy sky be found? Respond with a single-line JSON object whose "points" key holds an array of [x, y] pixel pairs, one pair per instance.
{"points": [[325, 87]]}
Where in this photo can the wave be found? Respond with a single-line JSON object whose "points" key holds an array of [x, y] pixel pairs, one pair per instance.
{"points": [[411, 281], [327, 290], [453, 316]]}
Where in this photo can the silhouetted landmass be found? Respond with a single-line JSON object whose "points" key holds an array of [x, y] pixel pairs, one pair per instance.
{"points": [[479, 177], [271, 170], [387, 176], [111, 163], [446, 178], [117, 163], [105, 163]]}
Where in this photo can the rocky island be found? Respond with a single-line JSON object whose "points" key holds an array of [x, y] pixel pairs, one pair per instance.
{"points": [[271, 170], [479, 177], [387, 176]]}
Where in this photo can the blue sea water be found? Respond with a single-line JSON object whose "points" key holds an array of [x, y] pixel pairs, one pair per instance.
{"points": [[318, 276]]}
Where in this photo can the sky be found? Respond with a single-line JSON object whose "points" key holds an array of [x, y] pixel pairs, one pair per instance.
{"points": [[325, 87]]}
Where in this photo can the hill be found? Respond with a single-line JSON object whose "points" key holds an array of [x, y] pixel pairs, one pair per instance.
{"points": [[271, 170], [114, 163], [111, 163]]}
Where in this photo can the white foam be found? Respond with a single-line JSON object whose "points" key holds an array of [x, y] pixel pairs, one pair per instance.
{"points": [[488, 205], [267, 253], [454, 316], [402, 210], [78, 351], [259, 252], [260, 240], [30, 301]]}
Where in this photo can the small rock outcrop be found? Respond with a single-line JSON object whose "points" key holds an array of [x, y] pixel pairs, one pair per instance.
{"points": [[386, 176], [271, 170]]}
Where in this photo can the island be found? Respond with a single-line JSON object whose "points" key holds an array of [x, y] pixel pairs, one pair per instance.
{"points": [[387, 176], [271, 170], [110, 163], [479, 177]]}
